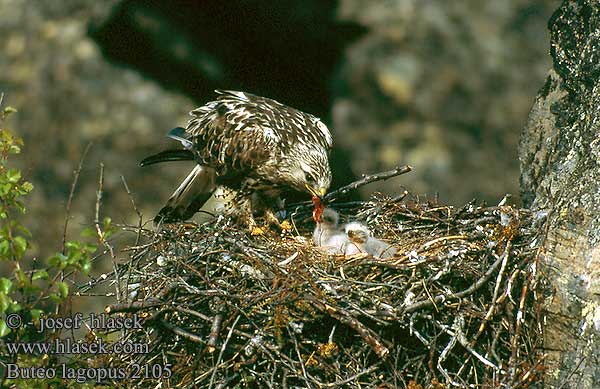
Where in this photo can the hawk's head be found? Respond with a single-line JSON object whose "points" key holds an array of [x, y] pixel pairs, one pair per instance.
{"points": [[308, 170]]}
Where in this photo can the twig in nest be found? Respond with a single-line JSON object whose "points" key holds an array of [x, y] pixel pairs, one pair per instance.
{"points": [[353, 377], [135, 208], [492, 308], [345, 318], [441, 297], [520, 319], [399, 197], [101, 234], [181, 332], [76, 174], [214, 332], [459, 336], [139, 227], [223, 347], [367, 180], [134, 306], [300, 360]]}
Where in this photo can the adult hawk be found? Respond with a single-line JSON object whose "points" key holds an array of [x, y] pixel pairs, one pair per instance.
{"points": [[252, 146]]}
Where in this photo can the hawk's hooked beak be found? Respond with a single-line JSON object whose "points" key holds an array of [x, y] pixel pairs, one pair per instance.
{"points": [[319, 193]]}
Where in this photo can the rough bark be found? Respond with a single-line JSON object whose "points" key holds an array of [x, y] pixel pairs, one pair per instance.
{"points": [[560, 177]]}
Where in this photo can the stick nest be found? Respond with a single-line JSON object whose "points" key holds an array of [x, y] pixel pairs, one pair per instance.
{"points": [[456, 306]]}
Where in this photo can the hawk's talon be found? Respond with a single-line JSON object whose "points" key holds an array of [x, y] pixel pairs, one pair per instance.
{"points": [[271, 219]]}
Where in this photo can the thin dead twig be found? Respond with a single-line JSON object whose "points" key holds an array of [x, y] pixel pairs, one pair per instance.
{"points": [[441, 297], [102, 235], [345, 318], [223, 347], [368, 179], [181, 332], [76, 174]]}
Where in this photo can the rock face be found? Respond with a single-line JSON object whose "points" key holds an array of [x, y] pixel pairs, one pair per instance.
{"points": [[282, 49], [444, 86], [68, 95], [285, 49], [559, 155], [56, 69]]}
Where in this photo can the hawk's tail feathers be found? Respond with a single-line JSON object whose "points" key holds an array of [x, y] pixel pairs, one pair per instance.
{"points": [[189, 197], [168, 156]]}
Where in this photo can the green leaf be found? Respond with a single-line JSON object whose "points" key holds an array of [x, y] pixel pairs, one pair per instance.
{"points": [[20, 245], [88, 232], [4, 330], [31, 289], [40, 274], [13, 175], [22, 279], [5, 302], [74, 257], [7, 111], [86, 266], [27, 187], [58, 260], [108, 228], [23, 230], [4, 189], [90, 248], [15, 306], [56, 298], [5, 285], [35, 314], [18, 205], [63, 289], [4, 249]]}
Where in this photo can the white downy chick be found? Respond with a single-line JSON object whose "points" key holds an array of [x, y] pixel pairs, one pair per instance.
{"points": [[362, 241], [327, 233], [358, 235], [380, 249]]}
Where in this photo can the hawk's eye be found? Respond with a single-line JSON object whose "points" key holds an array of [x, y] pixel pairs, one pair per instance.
{"points": [[310, 178]]}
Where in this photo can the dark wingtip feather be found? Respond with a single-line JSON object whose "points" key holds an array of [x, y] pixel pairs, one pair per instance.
{"points": [[181, 212], [168, 156], [179, 134]]}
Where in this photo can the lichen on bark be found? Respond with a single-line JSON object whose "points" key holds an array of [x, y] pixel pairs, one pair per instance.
{"points": [[560, 178]]}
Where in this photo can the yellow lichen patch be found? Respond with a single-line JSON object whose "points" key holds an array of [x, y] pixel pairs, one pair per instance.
{"points": [[286, 226], [591, 315], [328, 349], [413, 385], [257, 231]]}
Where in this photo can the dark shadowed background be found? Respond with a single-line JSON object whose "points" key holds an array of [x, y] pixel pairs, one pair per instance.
{"points": [[443, 86]]}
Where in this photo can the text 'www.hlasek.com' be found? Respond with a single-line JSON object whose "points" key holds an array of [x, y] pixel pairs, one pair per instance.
{"points": [[67, 344]]}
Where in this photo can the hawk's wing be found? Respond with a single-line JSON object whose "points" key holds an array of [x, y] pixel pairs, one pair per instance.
{"points": [[287, 124], [231, 138], [240, 131]]}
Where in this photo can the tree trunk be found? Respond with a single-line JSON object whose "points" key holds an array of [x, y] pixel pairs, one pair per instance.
{"points": [[560, 178]]}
